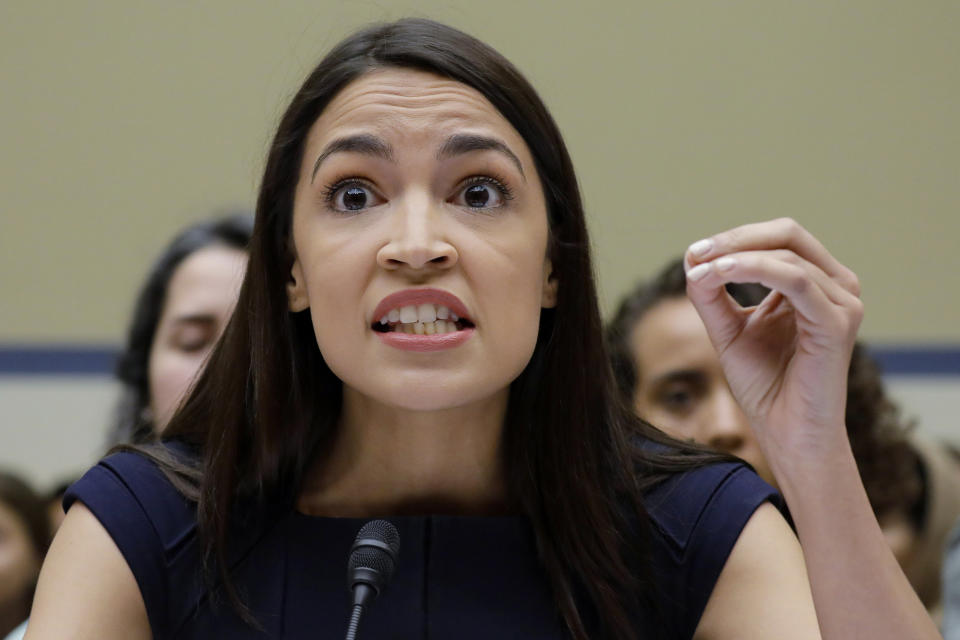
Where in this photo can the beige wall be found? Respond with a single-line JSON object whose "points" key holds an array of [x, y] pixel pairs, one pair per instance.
{"points": [[120, 121]]}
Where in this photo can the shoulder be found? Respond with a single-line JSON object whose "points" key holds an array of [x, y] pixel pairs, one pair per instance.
{"points": [[128, 491], [765, 575], [86, 589], [718, 494], [152, 524], [696, 518]]}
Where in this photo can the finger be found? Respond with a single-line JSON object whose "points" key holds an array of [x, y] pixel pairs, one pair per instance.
{"points": [[721, 315], [783, 233], [756, 260], [819, 299]]}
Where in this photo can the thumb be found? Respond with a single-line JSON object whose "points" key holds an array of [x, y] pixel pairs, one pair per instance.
{"points": [[721, 315]]}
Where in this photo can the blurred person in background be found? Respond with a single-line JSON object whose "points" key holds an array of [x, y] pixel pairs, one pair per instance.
{"points": [[24, 537], [54, 503], [181, 311], [668, 370], [951, 587]]}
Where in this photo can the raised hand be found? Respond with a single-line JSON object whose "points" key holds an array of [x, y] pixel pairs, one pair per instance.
{"points": [[786, 360]]}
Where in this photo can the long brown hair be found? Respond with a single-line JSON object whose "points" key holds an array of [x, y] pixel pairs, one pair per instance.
{"points": [[267, 404]]}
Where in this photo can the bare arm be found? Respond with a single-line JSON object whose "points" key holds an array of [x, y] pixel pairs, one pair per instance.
{"points": [[860, 590], [763, 590], [86, 589], [786, 361]]}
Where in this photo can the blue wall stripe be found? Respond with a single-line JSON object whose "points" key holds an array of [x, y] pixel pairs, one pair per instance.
{"points": [[45, 360], [907, 360]]}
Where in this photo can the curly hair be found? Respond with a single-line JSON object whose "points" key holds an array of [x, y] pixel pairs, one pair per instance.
{"points": [[888, 465]]}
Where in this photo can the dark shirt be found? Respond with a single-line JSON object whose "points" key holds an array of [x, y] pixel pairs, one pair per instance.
{"points": [[457, 577]]}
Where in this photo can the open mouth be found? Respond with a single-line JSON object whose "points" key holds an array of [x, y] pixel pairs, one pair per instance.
{"points": [[421, 319]]}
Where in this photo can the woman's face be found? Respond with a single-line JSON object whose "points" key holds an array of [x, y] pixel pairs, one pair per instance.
{"points": [[201, 296], [680, 383], [19, 564], [420, 240]]}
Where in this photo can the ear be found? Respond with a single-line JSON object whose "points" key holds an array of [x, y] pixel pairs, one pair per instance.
{"points": [[548, 298], [297, 289]]}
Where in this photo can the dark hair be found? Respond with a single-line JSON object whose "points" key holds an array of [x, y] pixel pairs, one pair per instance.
{"points": [[131, 422], [32, 512], [571, 448], [887, 463]]}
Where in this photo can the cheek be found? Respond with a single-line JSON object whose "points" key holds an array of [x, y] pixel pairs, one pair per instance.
{"points": [[681, 427], [509, 289], [170, 375], [336, 301]]}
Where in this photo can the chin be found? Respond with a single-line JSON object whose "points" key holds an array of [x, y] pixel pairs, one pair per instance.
{"points": [[428, 392]]}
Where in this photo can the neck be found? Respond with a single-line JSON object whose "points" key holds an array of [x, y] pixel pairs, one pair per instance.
{"points": [[391, 461]]}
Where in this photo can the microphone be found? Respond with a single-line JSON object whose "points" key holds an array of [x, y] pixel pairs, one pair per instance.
{"points": [[373, 558]]}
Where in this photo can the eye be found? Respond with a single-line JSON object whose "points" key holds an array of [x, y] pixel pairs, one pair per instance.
{"points": [[193, 345], [194, 337], [677, 399], [482, 192], [351, 195]]}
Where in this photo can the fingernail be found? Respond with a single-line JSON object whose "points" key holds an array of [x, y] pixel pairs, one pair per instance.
{"points": [[701, 247], [698, 272], [725, 263]]}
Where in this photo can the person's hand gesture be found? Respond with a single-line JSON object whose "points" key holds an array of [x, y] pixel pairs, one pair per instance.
{"points": [[786, 360]]}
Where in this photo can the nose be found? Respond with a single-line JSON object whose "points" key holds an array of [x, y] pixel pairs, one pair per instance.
{"points": [[417, 239], [729, 429]]}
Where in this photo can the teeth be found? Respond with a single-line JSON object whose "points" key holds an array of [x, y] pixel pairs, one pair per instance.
{"points": [[423, 319], [426, 328], [426, 313]]}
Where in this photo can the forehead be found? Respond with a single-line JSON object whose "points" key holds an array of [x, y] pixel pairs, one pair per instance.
{"points": [[671, 335], [406, 103], [207, 277]]}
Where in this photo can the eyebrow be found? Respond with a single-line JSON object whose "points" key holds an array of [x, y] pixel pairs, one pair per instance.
{"points": [[462, 143], [360, 143], [690, 376], [455, 145]]}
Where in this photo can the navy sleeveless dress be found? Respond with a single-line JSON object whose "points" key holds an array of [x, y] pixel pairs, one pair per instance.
{"points": [[461, 578]]}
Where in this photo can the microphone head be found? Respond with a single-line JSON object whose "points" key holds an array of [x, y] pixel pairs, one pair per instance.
{"points": [[373, 556]]}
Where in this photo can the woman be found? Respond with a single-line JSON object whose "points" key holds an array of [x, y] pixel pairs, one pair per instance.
{"points": [[418, 337], [668, 370], [24, 536], [180, 312]]}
